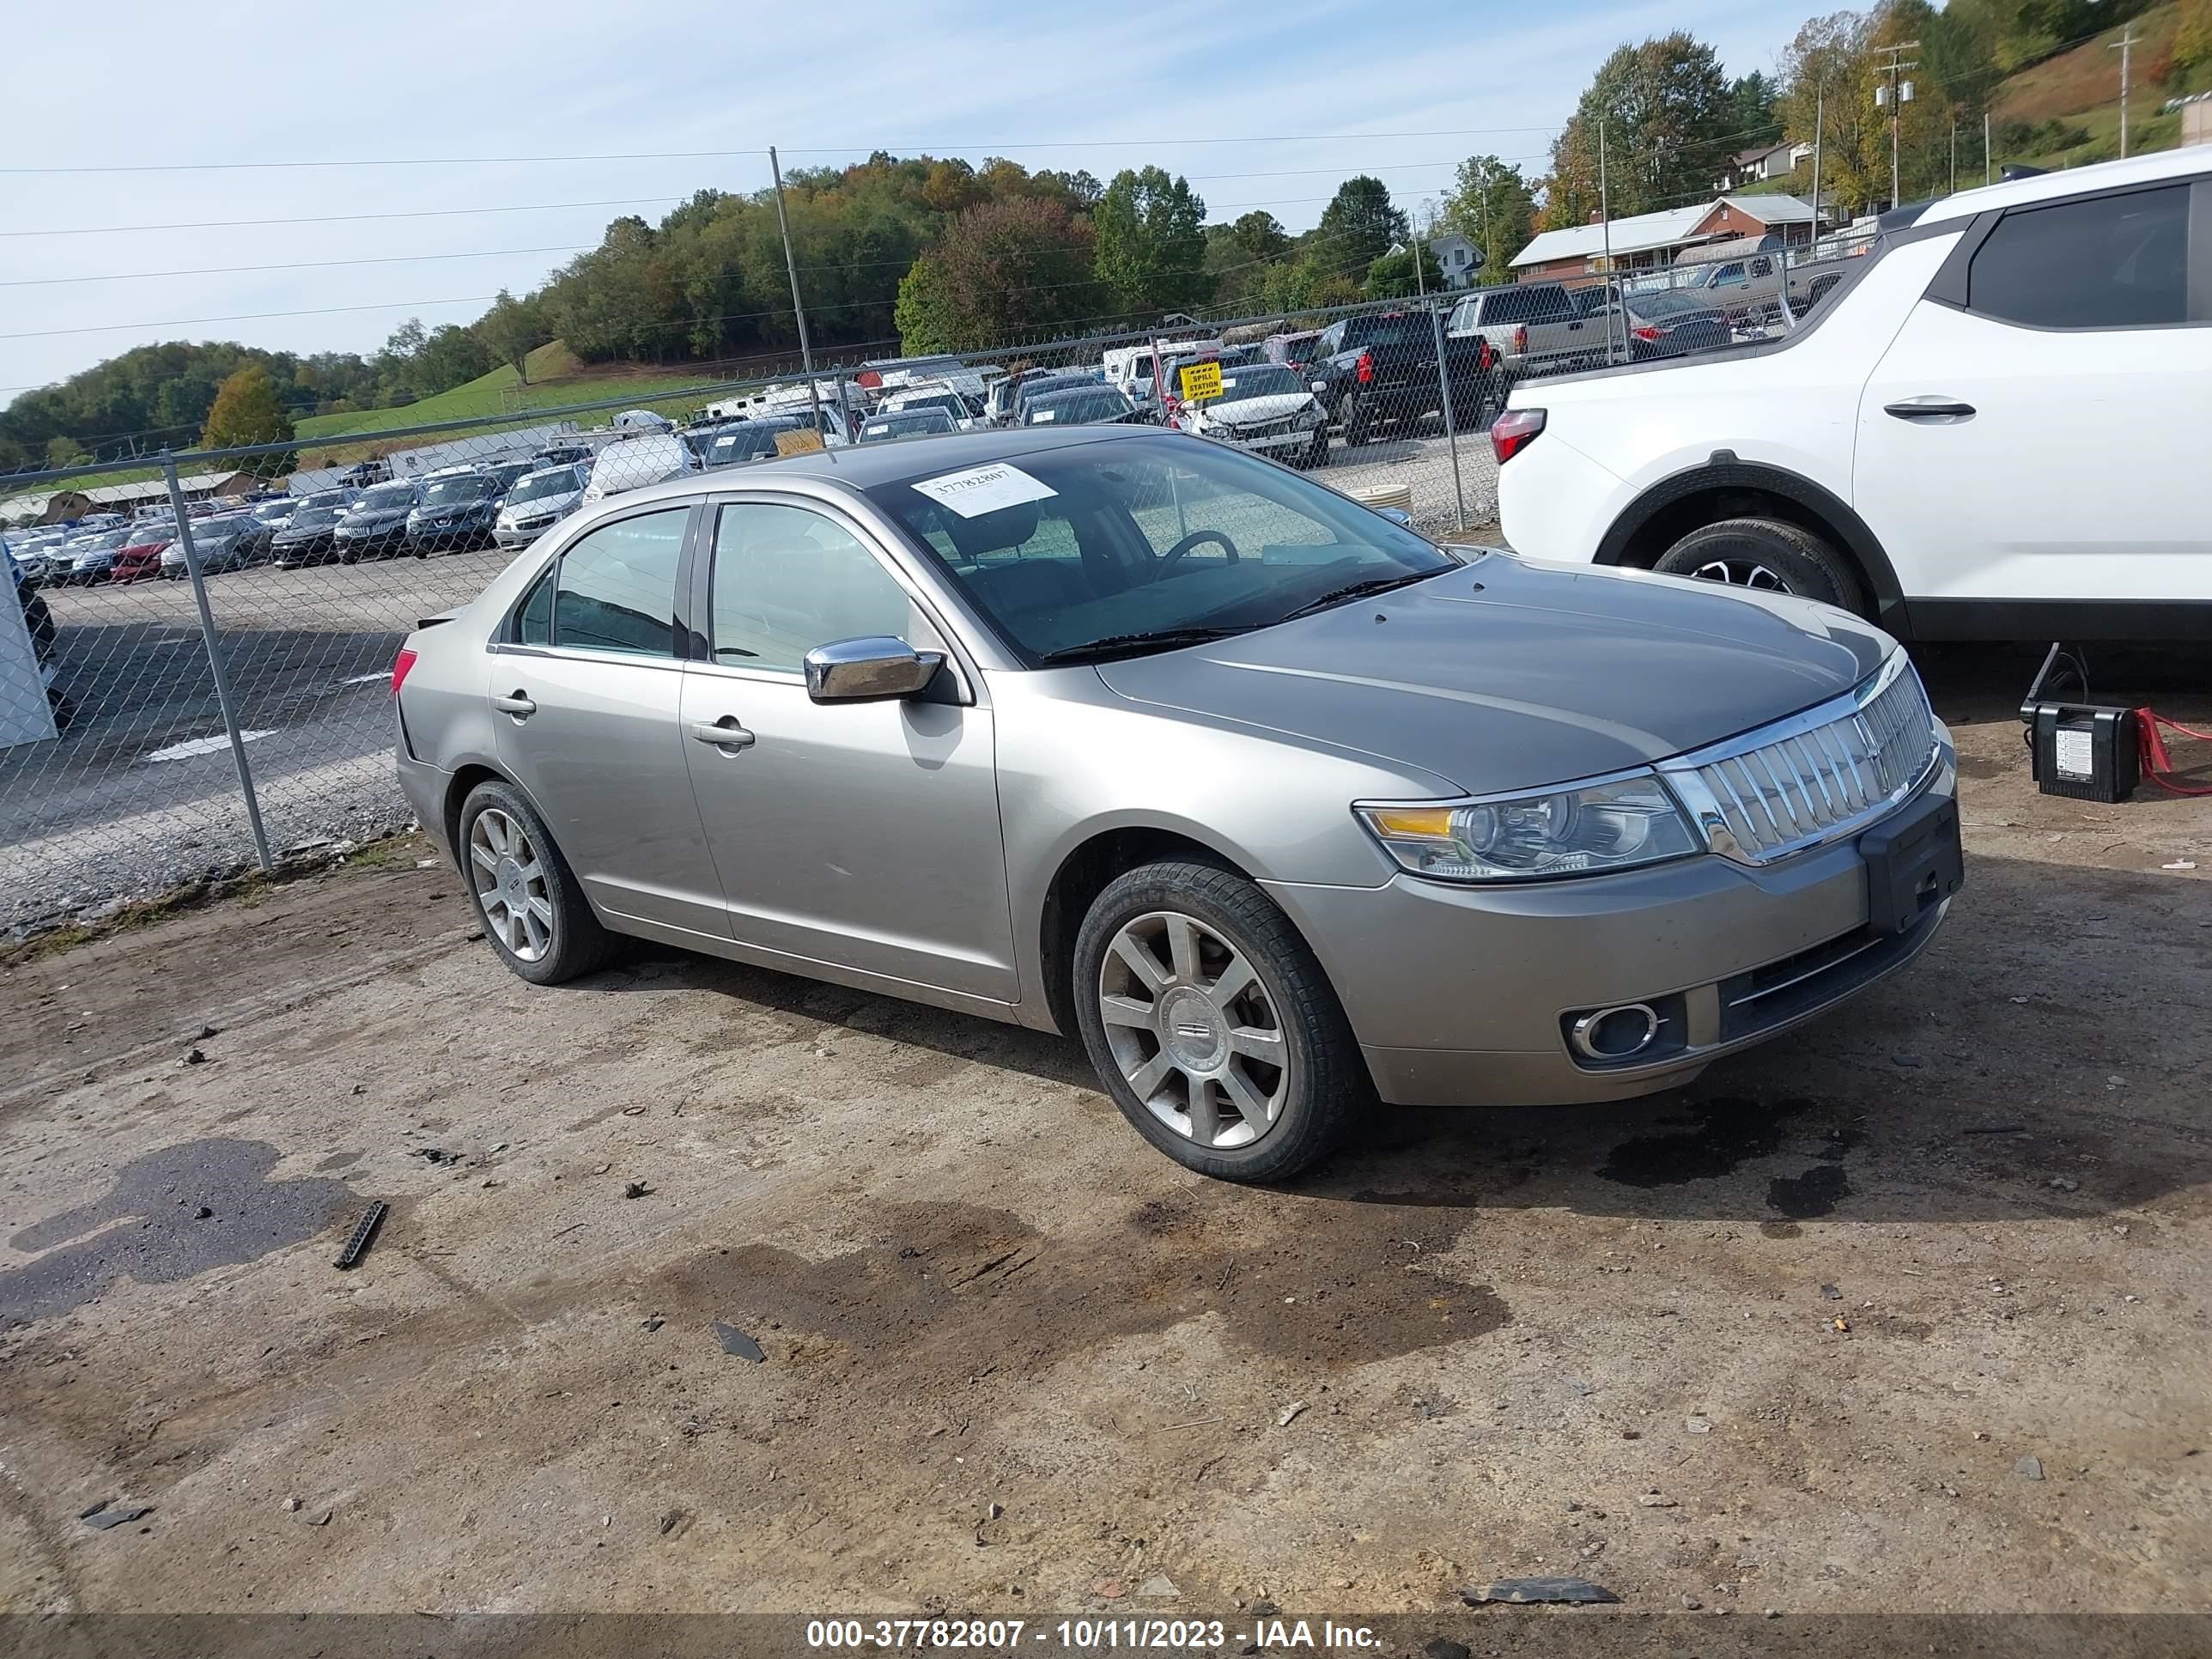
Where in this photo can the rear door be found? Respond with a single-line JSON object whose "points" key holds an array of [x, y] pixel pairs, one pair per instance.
{"points": [[2036, 429], [864, 834], [587, 690]]}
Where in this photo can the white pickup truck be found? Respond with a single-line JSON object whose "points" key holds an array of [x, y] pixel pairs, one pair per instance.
{"points": [[1993, 427]]}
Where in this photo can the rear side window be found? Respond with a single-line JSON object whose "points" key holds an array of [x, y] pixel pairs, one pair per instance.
{"points": [[615, 588], [2111, 262], [534, 622]]}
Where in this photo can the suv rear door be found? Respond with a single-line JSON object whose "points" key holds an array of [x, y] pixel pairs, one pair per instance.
{"points": [[2031, 431]]}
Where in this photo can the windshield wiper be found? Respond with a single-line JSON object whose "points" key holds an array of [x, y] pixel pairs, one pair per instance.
{"points": [[1354, 590], [1166, 638]]}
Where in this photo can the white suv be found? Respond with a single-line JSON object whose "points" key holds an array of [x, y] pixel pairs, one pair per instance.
{"points": [[1996, 427]]}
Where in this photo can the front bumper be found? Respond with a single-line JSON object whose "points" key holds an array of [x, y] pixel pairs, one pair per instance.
{"points": [[1461, 995]]}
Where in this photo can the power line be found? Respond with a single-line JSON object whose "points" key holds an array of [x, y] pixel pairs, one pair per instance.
{"points": [[251, 317], [346, 218], [1152, 141], [306, 264]]}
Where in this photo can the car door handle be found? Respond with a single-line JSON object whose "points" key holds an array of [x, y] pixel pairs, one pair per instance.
{"points": [[725, 733], [1928, 409], [517, 703]]}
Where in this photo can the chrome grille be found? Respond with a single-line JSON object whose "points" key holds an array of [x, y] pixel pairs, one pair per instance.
{"points": [[1814, 777]]}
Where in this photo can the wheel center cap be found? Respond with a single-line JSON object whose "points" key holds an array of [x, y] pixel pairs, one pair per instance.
{"points": [[510, 881], [1191, 1030]]}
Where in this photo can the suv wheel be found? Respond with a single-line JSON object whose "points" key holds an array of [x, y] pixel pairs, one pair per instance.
{"points": [[1212, 1026], [1356, 421], [532, 907], [1768, 553]]}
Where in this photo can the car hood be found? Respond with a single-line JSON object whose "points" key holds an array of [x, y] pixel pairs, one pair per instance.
{"points": [[1511, 674], [1255, 411], [541, 504], [374, 519], [455, 509], [305, 532]]}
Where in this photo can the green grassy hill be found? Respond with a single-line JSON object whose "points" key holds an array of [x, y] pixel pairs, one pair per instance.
{"points": [[557, 379], [2070, 104]]}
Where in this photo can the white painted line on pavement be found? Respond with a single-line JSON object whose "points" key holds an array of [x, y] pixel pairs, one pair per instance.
{"points": [[191, 746]]}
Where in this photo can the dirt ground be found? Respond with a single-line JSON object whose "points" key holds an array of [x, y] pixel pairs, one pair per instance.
{"points": [[1908, 1311]]}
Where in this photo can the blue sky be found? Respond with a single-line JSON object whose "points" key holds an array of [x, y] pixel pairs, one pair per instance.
{"points": [[1268, 105]]}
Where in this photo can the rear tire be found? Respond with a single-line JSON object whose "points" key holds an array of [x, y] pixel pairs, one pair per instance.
{"points": [[1767, 555], [531, 905], [1212, 1026]]}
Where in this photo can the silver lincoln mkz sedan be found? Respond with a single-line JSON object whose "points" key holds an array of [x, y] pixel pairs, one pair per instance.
{"points": [[1118, 732]]}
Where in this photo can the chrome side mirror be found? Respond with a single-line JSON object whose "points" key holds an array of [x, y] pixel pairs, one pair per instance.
{"points": [[877, 669]]}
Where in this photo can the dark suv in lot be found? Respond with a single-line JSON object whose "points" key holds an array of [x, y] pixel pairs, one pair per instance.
{"points": [[455, 514], [375, 527]]}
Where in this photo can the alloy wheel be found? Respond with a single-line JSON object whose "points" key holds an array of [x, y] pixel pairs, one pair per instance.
{"points": [[509, 880], [1194, 1032], [1741, 572]]}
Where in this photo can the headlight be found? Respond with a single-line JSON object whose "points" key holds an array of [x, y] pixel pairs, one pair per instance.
{"points": [[1597, 827], [1310, 417]]}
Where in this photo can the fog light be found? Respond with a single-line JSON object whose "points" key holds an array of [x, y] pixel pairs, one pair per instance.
{"points": [[1614, 1033]]}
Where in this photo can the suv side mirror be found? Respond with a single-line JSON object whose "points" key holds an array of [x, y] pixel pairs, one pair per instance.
{"points": [[878, 668]]}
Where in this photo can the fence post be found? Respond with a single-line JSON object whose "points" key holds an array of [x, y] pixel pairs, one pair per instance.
{"points": [[1451, 426], [214, 662]]}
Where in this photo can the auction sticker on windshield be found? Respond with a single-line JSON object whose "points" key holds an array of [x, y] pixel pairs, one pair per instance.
{"points": [[1201, 381], [981, 490]]}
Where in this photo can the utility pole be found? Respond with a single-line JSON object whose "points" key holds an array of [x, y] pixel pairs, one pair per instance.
{"points": [[1819, 126], [1894, 96], [1985, 146], [1605, 221], [2125, 46], [1954, 191], [798, 306]]}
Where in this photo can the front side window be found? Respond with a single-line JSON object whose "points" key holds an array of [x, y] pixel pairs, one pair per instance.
{"points": [[616, 586], [2111, 262], [788, 578]]}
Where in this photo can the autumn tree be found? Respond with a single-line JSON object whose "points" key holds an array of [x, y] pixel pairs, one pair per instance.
{"points": [[1666, 119], [1003, 270], [247, 410], [1152, 243], [1357, 228], [1391, 275], [512, 328]]}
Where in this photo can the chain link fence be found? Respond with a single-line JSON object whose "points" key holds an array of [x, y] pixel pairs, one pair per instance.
{"points": [[210, 636]]}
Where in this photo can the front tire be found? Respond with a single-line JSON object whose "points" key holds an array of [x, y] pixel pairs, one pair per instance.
{"points": [[532, 907], [1768, 555], [1212, 1026]]}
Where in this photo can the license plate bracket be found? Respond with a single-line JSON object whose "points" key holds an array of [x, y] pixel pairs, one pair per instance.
{"points": [[1914, 862]]}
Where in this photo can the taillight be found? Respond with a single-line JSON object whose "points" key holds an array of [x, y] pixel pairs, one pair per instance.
{"points": [[1521, 341], [1366, 371], [400, 664], [1514, 431], [1646, 332], [1484, 357]]}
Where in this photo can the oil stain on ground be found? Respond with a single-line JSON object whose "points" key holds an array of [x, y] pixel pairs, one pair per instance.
{"points": [[149, 1225], [952, 1288], [1732, 1131]]}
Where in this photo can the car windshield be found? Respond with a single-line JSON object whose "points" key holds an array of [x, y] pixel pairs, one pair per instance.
{"points": [[905, 424], [1261, 380], [268, 512], [1076, 407], [538, 486], [752, 441], [308, 517], [1664, 305], [945, 400], [389, 496], [451, 492], [1117, 548], [114, 538]]}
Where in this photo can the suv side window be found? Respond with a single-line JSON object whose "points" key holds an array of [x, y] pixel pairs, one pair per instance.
{"points": [[1762, 267], [616, 586], [2109, 262], [788, 578]]}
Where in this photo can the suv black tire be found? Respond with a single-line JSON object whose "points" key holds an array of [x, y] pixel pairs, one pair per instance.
{"points": [[1328, 1086], [579, 943], [1799, 561]]}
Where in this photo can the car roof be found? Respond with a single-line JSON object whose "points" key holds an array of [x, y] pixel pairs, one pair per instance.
{"points": [[2072, 181]]}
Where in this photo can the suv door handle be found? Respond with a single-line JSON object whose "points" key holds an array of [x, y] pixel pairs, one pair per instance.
{"points": [[725, 733], [1928, 409], [517, 703]]}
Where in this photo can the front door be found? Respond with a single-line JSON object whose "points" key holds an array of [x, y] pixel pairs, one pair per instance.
{"points": [[588, 691], [861, 834], [2028, 439]]}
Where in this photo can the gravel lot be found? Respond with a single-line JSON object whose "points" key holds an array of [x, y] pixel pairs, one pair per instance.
{"points": [[1908, 1311], [92, 817]]}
